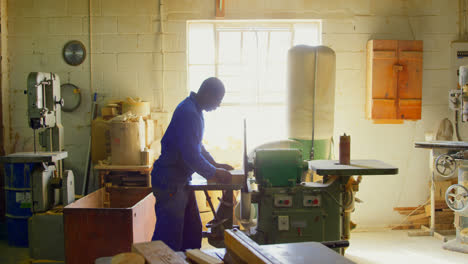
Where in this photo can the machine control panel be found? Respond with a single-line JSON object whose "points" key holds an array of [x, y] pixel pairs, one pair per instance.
{"points": [[283, 201], [283, 223], [312, 200]]}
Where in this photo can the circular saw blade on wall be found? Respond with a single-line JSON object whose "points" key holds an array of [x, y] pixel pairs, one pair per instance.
{"points": [[74, 52]]}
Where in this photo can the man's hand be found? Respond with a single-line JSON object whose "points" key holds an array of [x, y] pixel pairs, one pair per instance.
{"points": [[224, 166], [222, 176]]}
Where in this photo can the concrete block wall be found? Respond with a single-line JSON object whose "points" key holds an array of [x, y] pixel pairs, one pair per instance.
{"points": [[125, 52], [127, 60]]}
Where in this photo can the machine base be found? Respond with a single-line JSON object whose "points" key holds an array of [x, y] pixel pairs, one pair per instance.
{"points": [[456, 245]]}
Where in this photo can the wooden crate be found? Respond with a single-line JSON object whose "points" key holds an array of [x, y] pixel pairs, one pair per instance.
{"points": [[107, 222]]}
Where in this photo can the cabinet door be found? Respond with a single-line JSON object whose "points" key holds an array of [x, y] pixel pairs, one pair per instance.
{"points": [[394, 80], [410, 79], [384, 55]]}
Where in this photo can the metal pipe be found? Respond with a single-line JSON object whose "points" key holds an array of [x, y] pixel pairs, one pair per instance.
{"points": [[457, 132], [313, 106], [245, 206], [163, 52]]}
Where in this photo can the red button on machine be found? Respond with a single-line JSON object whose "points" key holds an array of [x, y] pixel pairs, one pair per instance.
{"points": [[315, 201], [286, 202]]}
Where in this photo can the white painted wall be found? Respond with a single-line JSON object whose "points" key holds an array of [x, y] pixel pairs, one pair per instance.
{"points": [[127, 61]]}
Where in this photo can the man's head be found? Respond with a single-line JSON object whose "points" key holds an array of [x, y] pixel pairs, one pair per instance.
{"points": [[210, 94]]}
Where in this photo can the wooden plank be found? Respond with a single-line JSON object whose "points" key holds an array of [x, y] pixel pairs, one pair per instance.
{"points": [[381, 79], [383, 108], [447, 232], [384, 84], [444, 214], [440, 189], [412, 212], [417, 233], [440, 236], [410, 109], [410, 56], [128, 257], [156, 252], [440, 204], [406, 226], [244, 248], [416, 217], [444, 226], [144, 219], [423, 221], [199, 257], [143, 168], [445, 220], [425, 227], [404, 208], [369, 67]]}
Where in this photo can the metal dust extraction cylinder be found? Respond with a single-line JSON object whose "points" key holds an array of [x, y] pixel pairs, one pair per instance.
{"points": [[311, 98]]}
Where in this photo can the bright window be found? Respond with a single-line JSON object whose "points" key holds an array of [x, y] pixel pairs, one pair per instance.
{"points": [[250, 57]]}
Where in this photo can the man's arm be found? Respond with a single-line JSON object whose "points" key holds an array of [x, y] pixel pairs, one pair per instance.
{"points": [[189, 145], [208, 156], [211, 160]]}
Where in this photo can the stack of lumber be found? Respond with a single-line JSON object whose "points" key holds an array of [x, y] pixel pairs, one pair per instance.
{"points": [[156, 252], [421, 215]]}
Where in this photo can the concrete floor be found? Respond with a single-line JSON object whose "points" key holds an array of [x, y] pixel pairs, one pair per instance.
{"points": [[382, 246], [387, 246], [10, 255]]}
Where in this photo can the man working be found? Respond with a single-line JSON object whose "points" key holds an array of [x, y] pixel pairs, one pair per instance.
{"points": [[178, 221]]}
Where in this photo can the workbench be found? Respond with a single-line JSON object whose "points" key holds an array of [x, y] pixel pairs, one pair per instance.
{"points": [[124, 175]]}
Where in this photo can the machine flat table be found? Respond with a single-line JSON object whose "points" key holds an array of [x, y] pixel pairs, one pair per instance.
{"points": [[200, 183], [34, 157], [442, 144], [294, 253], [357, 167]]}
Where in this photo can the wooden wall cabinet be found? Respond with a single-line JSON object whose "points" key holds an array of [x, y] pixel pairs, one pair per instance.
{"points": [[394, 80]]}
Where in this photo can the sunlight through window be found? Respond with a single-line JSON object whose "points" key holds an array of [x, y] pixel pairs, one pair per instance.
{"points": [[250, 57]]}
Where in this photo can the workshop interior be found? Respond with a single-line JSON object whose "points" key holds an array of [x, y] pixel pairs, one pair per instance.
{"points": [[346, 123]]}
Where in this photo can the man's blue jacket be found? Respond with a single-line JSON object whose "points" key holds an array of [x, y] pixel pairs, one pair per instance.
{"points": [[182, 152]]}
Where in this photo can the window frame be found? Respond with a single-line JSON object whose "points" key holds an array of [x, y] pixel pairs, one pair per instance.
{"points": [[244, 26]]}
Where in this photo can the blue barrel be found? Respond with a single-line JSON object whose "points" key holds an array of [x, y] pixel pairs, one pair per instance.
{"points": [[18, 201]]}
